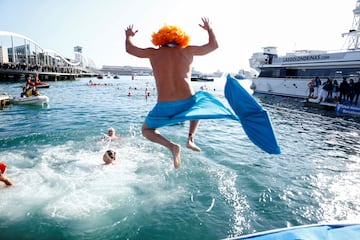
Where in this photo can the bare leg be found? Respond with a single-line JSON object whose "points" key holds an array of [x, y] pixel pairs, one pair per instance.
{"points": [[192, 130], [154, 136]]}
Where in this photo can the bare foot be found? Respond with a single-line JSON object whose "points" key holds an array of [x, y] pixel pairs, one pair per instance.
{"points": [[191, 145], [176, 149]]}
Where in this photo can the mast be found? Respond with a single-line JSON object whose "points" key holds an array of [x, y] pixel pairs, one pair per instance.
{"points": [[352, 37]]}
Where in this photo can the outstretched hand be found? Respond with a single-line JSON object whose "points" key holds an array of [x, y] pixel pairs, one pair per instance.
{"points": [[129, 32], [206, 24]]}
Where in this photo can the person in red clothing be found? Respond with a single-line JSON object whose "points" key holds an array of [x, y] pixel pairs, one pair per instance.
{"points": [[3, 177], [29, 83]]}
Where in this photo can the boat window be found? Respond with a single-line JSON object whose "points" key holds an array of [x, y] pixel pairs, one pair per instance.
{"points": [[266, 73], [291, 72], [309, 73]]}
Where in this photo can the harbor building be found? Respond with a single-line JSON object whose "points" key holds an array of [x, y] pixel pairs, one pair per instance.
{"points": [[20, 55]]}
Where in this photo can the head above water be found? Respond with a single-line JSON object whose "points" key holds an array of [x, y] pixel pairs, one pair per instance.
{"points": [[111, 131], [170, 36], [109, 156]]}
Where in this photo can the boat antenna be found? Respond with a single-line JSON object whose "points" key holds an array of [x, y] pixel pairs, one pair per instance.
{"points": [[352, 37]]}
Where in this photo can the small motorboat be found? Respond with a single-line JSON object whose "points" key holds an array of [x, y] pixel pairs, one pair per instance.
{"points": [[33, 100]]}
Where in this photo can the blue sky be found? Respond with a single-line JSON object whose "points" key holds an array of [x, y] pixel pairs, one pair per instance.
{"points": [[242, 27]]}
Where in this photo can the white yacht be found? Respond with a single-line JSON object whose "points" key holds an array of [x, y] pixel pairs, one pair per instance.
{"points": [[289, 75]]}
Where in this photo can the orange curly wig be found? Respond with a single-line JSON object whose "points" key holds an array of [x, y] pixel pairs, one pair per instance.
{"points": [[170, 34]]}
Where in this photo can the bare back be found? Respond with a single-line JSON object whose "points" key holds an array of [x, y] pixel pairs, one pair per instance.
{"points": [[172, 65], [172, 72]]}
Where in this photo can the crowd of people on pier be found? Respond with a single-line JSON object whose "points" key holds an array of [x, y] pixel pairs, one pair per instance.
{"points": [[331, 90], [38, 68]]}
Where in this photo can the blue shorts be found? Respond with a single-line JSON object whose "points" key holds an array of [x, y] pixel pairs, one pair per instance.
{"points": [[202, 105], [164, 111]]}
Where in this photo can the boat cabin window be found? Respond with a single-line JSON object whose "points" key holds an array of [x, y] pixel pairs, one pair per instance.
{"points": [[291, 72], [273, 72], [309, 73]]}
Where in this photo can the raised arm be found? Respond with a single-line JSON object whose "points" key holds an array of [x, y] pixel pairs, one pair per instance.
{"points": [[212, 43], [131, 48]]}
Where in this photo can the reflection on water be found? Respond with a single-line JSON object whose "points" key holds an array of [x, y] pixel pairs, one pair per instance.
{"points": [[324, 150]]}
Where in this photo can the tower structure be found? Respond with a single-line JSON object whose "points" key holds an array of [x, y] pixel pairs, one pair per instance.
{"points": [[352, 37], [78, 54]]}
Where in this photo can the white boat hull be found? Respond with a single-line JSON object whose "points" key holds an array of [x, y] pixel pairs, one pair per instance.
{"points": [[288, 87], [33, 100], [289, 74], [247, 85]]}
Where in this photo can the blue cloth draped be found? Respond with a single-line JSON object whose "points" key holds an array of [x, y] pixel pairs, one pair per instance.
{"points": [[254, 119], [203, 105]]}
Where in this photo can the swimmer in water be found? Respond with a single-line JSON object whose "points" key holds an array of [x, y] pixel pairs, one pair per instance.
{"points": [[3, 177], [109, 157], [112, 134]]}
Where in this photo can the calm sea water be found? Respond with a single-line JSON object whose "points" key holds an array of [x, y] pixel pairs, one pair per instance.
{"points": [[54, 156]]}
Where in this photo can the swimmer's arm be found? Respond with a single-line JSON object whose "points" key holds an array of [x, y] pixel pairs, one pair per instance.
{"points": [[7, 181]]}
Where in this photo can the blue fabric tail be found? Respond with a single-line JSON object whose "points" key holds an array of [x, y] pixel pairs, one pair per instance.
{"points": [[254, 119]]}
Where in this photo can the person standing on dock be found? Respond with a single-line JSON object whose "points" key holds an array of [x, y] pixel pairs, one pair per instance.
{"points": [[335, 91], [351, 91], [343, 90], [311, 88], [171, 63], [317, 84], [357, 91]]}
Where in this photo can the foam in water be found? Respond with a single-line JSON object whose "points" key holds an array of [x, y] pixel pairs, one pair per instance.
{"points": [[67, 182]]}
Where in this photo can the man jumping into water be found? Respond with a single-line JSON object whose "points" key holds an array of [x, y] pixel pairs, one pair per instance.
{"points": [[171, 63]]}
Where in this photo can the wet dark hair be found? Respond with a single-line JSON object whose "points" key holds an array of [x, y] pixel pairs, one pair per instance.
{"points": [[111, 154]]}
